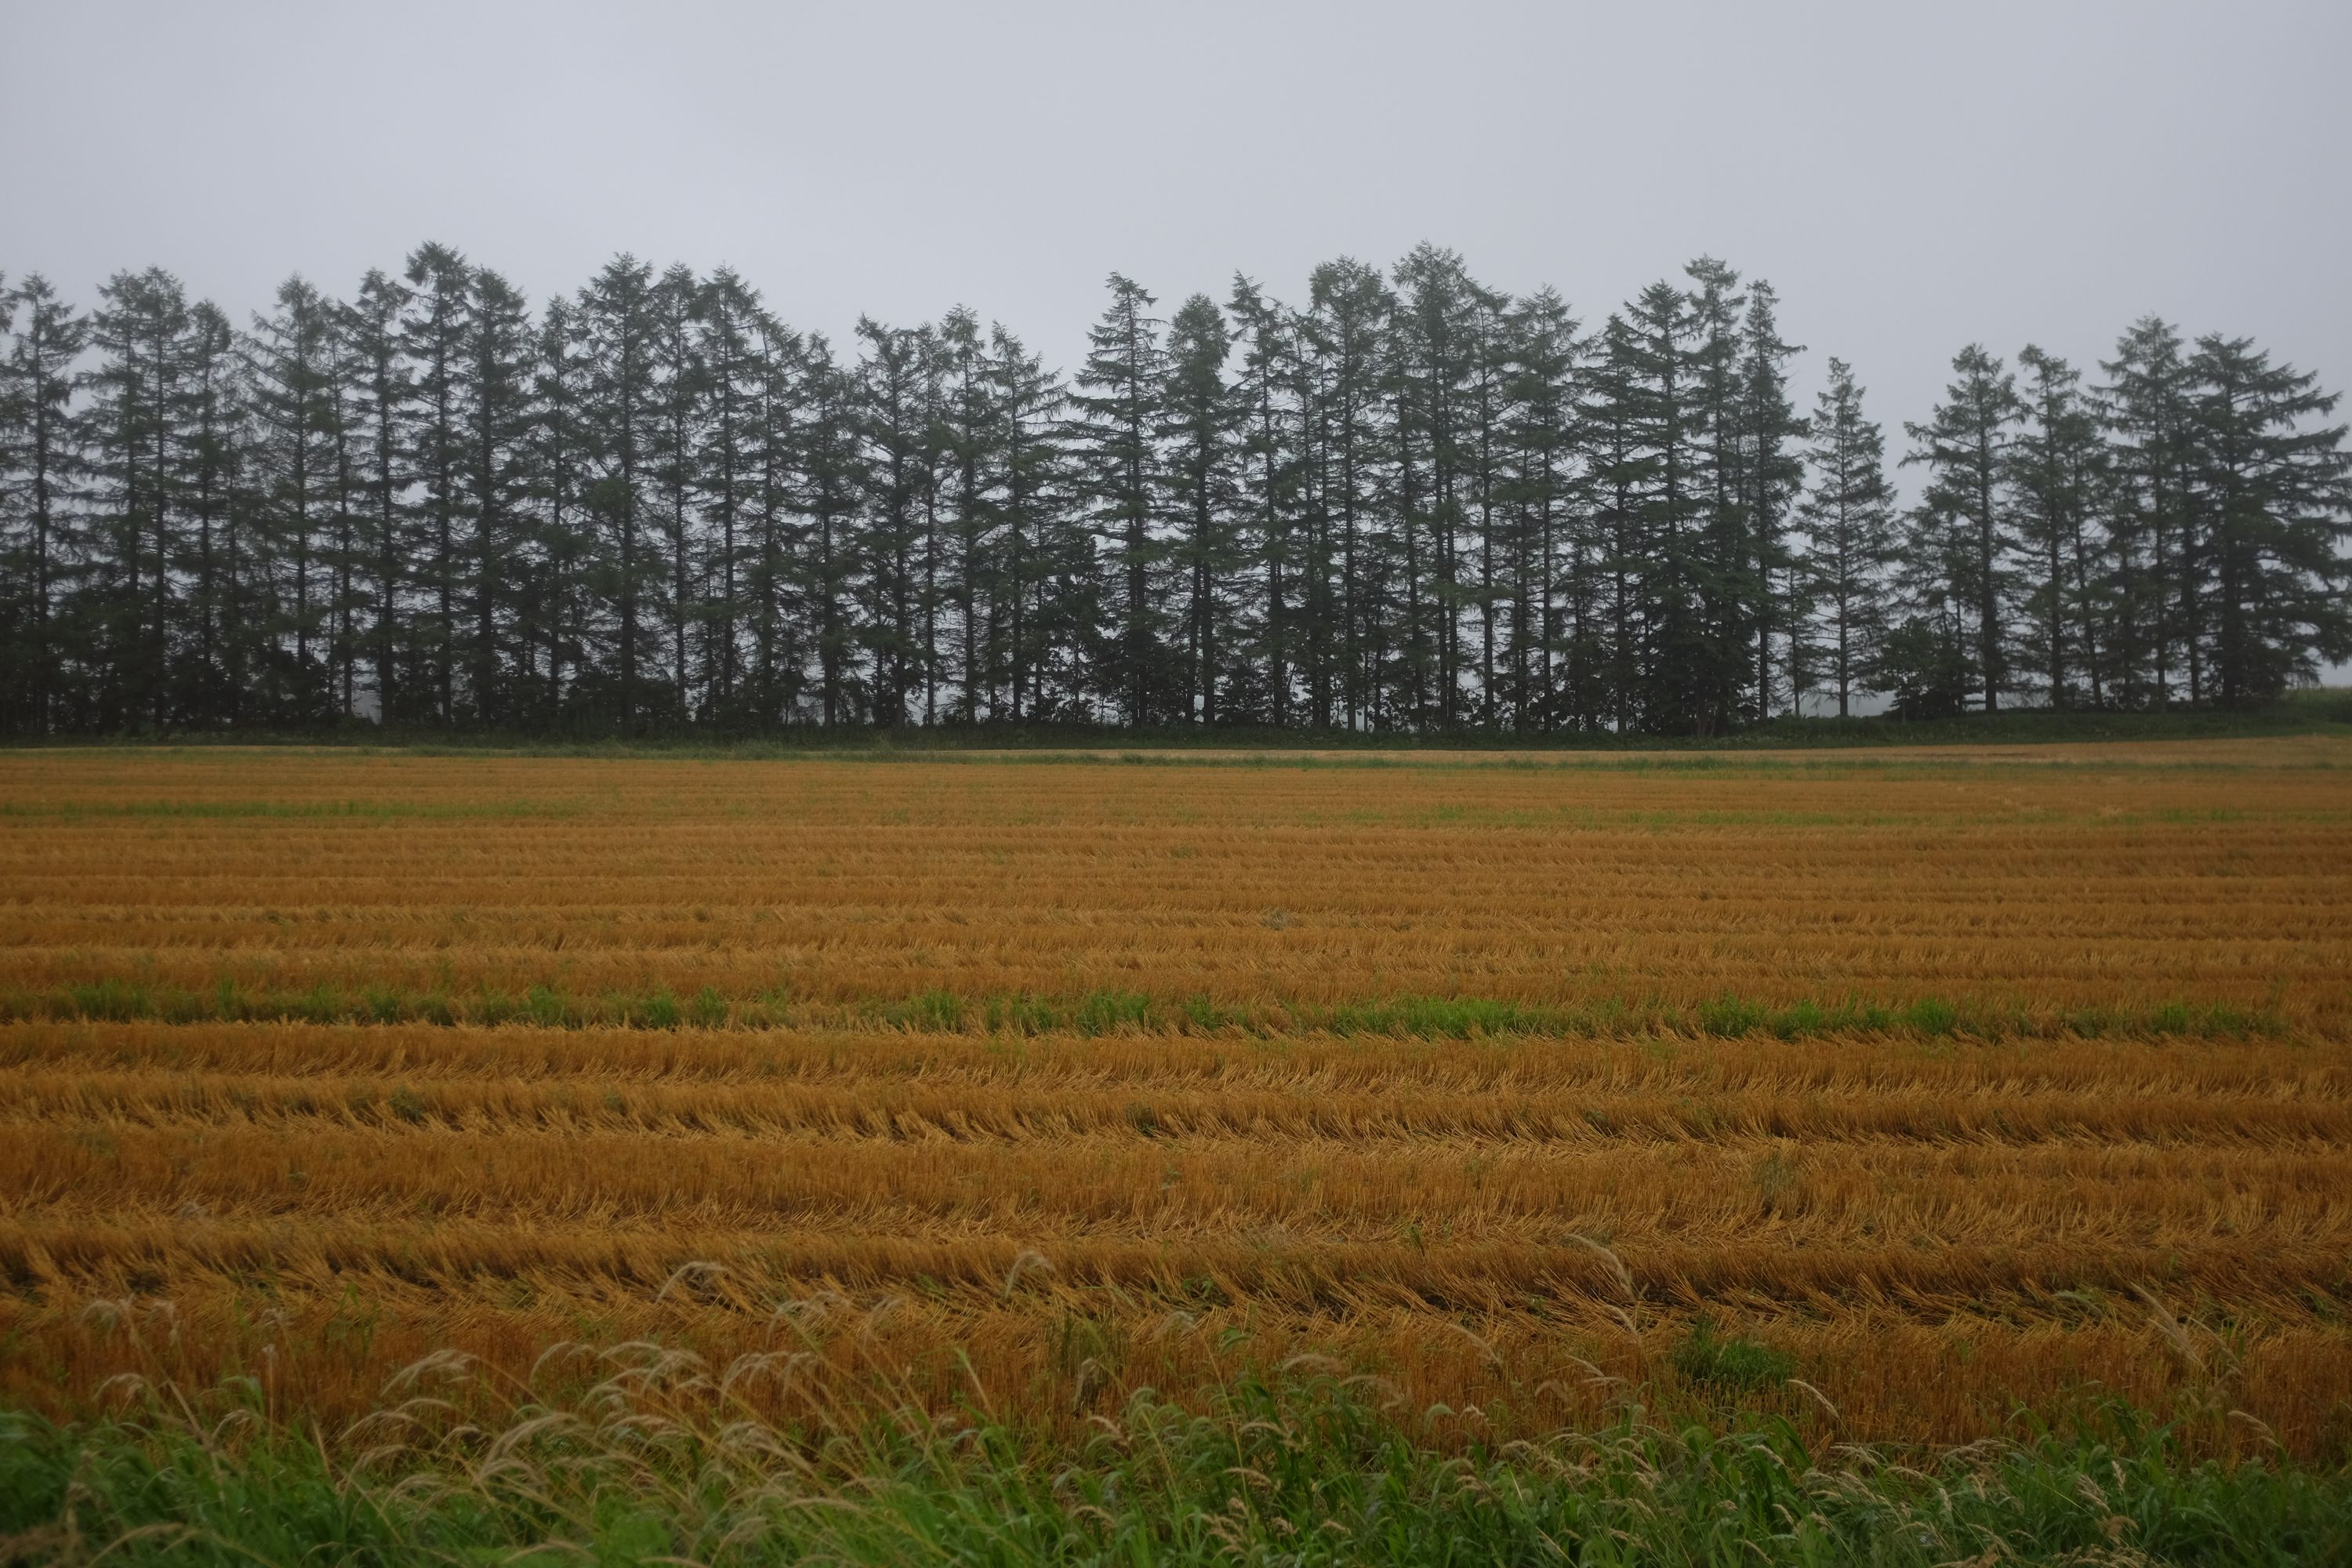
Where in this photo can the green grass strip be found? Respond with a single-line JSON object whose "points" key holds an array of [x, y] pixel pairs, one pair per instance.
{"points": [[271, 810], [1303, 1475], [1096, 1013]]}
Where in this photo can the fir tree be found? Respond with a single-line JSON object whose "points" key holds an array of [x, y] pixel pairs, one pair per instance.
{"points": [[497, 407], [139, 437], [971, 440], [433, 333], [555, 613], [1550, 656], [616, 321], [1676, 665], [739, 477], [1772, 477], [1966, 516], [1117, 414], [1201, 420], [380, 414], [292, 359], [221, 553], [1619, 471], [1268, 478], [1346, 326], [1485, 414], [1850, 526], [676, 373], [2271, 474], [2054, 472], [1433, 355], [44, 473], [2150, 522], [836, 479], [344, 604], [779, 608], [1036, 550], [896, 409], [1718, 553]]}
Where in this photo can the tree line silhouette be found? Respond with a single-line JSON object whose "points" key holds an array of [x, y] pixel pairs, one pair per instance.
{"points": [[1409, 502]]}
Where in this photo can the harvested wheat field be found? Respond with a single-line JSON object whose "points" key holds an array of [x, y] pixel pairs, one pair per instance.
{"points": [[1910, 1096]]}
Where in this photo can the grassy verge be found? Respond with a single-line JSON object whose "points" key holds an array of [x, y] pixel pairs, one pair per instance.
{"points": [[2321, 711], [1097, 1013], [652, 1467]]}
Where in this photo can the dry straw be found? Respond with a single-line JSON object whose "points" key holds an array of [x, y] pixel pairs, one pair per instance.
{"points": [[1658, 1164]]}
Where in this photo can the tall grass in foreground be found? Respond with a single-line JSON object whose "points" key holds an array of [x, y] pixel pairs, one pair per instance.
{"points": [[659, 1459]]}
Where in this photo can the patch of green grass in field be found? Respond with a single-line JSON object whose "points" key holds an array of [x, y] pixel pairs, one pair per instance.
{"points": [[1305, 1474], [1714, 1361], [1096, 1013]]}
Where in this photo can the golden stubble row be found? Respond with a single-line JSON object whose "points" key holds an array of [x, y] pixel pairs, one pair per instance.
{"points": [[2083, 885], [1501, 1071], [1511, 1224], [1948, 1349], [925, 1110], [1938, 1230], [2118, 1142], [1920, 1196], [1060, 1356]]}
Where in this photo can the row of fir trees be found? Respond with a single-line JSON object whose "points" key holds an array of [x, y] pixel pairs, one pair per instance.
{"points": [[1406, 502]]}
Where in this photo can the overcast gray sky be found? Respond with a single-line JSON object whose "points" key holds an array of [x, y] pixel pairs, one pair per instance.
{"points": [[1911, 177]]}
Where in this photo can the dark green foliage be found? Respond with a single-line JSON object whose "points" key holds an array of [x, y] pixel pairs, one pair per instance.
{"points": [[2268, 565], [1114, 433], [1962, 558], [1414, 506], [2056, 474], [1923, 666], [1201, 420], [42, 467], [1849, 522]]}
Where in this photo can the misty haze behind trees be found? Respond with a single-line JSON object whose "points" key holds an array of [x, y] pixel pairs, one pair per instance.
{"points": [[1402, 503]]}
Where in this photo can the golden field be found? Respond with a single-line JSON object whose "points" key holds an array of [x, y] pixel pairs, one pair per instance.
{"points": [[1971, 1081]]}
